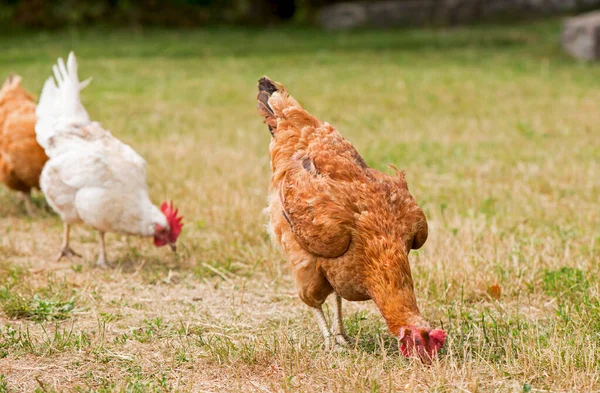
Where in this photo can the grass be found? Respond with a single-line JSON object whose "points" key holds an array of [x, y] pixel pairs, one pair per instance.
{"points": [[495, 127]]}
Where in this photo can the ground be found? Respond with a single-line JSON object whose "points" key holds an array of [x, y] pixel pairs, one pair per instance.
{"points": [[497, 131]]}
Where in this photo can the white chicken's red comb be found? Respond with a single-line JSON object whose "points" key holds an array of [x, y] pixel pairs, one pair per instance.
{"points": [[174, 222]]}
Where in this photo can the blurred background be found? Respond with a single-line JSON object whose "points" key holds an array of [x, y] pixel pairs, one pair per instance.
{"points": [[331, 14]]}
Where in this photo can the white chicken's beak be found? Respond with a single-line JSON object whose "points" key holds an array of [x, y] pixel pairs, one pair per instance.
{"points": [[173, 247]]}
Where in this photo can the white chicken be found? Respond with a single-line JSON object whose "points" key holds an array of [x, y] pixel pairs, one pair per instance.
{"points": [[91, 177]]}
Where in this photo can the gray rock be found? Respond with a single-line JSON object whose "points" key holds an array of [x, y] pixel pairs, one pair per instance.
{"points": [[344, 16], [581, 36], [398, 13]]}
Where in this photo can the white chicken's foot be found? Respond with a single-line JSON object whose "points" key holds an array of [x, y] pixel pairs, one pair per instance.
{"points": [[337, 328], [101, 261], [65, 250]]}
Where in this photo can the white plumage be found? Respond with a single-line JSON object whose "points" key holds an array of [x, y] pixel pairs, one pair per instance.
{"points": [[60, 106], [91, 177]]}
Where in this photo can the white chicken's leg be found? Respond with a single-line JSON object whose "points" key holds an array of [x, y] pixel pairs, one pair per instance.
{"points": [[65, 250], [101, 262], [322, 322], [337, 328]]}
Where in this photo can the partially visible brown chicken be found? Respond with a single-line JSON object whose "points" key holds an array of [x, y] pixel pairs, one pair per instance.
{"points": [[21, 158], [346, 228]]}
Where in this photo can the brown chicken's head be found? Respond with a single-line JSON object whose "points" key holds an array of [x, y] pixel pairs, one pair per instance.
{"points": [[421, 342], [388, 240], [168, 235]]}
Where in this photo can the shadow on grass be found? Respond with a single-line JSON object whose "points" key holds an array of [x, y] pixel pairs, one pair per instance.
{"points": [[370, 335], [152, 269]]}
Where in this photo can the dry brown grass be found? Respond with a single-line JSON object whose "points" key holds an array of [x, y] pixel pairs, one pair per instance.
{"points": [[498, 135]]}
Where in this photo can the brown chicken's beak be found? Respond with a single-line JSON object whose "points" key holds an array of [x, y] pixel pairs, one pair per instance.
{"points": [[173, 247]]}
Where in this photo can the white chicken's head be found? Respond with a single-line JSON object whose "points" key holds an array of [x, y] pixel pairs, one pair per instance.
{"points": [[168, 234]]}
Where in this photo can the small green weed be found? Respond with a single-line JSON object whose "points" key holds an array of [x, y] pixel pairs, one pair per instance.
{"points": [[37, 308], [3, 384], [566, 281]]}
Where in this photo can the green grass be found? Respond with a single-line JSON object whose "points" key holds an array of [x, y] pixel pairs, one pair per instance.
{"points": [[498, 133]]}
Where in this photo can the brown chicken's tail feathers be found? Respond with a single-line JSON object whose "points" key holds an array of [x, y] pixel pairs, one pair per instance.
{"points": [[12, 88], [266, 88], [267, 85], [13, 79], [12, 85], [276, 105]]}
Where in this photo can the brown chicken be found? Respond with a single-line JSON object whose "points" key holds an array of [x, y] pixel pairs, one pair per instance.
{"points": [[345, 228], [21, 158]]}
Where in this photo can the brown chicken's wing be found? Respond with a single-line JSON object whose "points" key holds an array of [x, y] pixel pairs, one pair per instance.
{"points": [[319, 210]]}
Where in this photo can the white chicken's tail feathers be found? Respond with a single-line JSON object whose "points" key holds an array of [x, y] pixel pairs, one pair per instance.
{"points": [[60, 103]]}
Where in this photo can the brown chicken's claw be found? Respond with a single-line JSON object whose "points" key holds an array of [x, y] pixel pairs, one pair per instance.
{"points": [[344, 341], [339, 343]]}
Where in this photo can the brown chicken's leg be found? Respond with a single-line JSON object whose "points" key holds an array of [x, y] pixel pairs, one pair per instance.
{"points": [[26, 197], [101, 262], [339, 333], [322, 322], [313, 288], [29, 205], [65, 250]]}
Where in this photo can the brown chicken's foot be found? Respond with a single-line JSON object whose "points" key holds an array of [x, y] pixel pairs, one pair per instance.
{"points": [[327, 343], [338, 343], [26, 197], [339, 333], [29, 206], [343, 340], [330, 341]]}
